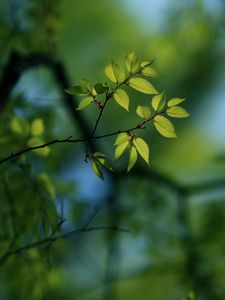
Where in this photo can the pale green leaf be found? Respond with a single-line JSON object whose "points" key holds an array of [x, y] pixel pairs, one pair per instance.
{"points": [[164, 127], [132, 62], [19, 126], [132, 158], [115, 73], [96, 167], [143, 112], [145, 63], [36, 141], [177, 112], [84, 103], [76, 90], [122, 98], [37, 127], [104, 162], [175, 101], [99, 154], [47, 183], [122, 138], [149, 71], [120, 149], [159, 101], [142, 148], [142, 85]]}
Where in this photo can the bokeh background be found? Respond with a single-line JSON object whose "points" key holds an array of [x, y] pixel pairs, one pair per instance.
{"points": [[175, 210]]}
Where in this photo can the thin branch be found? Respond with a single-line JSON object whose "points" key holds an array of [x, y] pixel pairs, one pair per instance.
{"points": [[81, 140]]}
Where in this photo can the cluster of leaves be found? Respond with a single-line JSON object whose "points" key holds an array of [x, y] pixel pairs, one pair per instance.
{"points": [[31, 133], [131, 76]]}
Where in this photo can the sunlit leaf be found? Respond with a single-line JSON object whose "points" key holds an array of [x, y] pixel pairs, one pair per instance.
{"points": [[122, 98], [142, 148], [149, 71], [122, 138], [120, 149], [143, 112], [132, 62], [132, 158], [47, 183], [77, 90], [84, 103], [99, 154], [37, 127], [142, 85], [175, 101], [96, 167], [36, 141], [115, 73], [159, 101], [177, 112], [19, 126], [164, 127], [104, 162]]}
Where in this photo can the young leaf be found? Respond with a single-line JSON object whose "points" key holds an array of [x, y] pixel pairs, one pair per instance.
{"points": [[115, 73], [142, 148], [132, 158], [159, 101], [96, 167], [77, 90], [149, 71], [121, 138], [164, 127], [120, 149], [85, 102], [175, 101], [142, 85], [177, 112], [143, 112], [132, 62], [37, 127], [122, 98], [105, 163], [99, 154]]}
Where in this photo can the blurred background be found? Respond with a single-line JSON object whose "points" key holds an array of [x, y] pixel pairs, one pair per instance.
{"points": [[175, 210]]}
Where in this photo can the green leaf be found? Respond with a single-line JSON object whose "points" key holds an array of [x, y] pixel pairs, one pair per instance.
{"points": [[76, 90], [99, 89], [149, 71], [145, 63], [164, 127], [132, 62], [105, 163], [132, 158], [37, 127], [86, 84], [142, 85], [99, 154], [120, 149], [142, 148], [143, 112], [175, 101], [159, 101], [47, 183], [177, 112], [96, 167], [122, 138], [122, 98], [115, 73], [19, 126], [85, 102], [36, 141]]}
